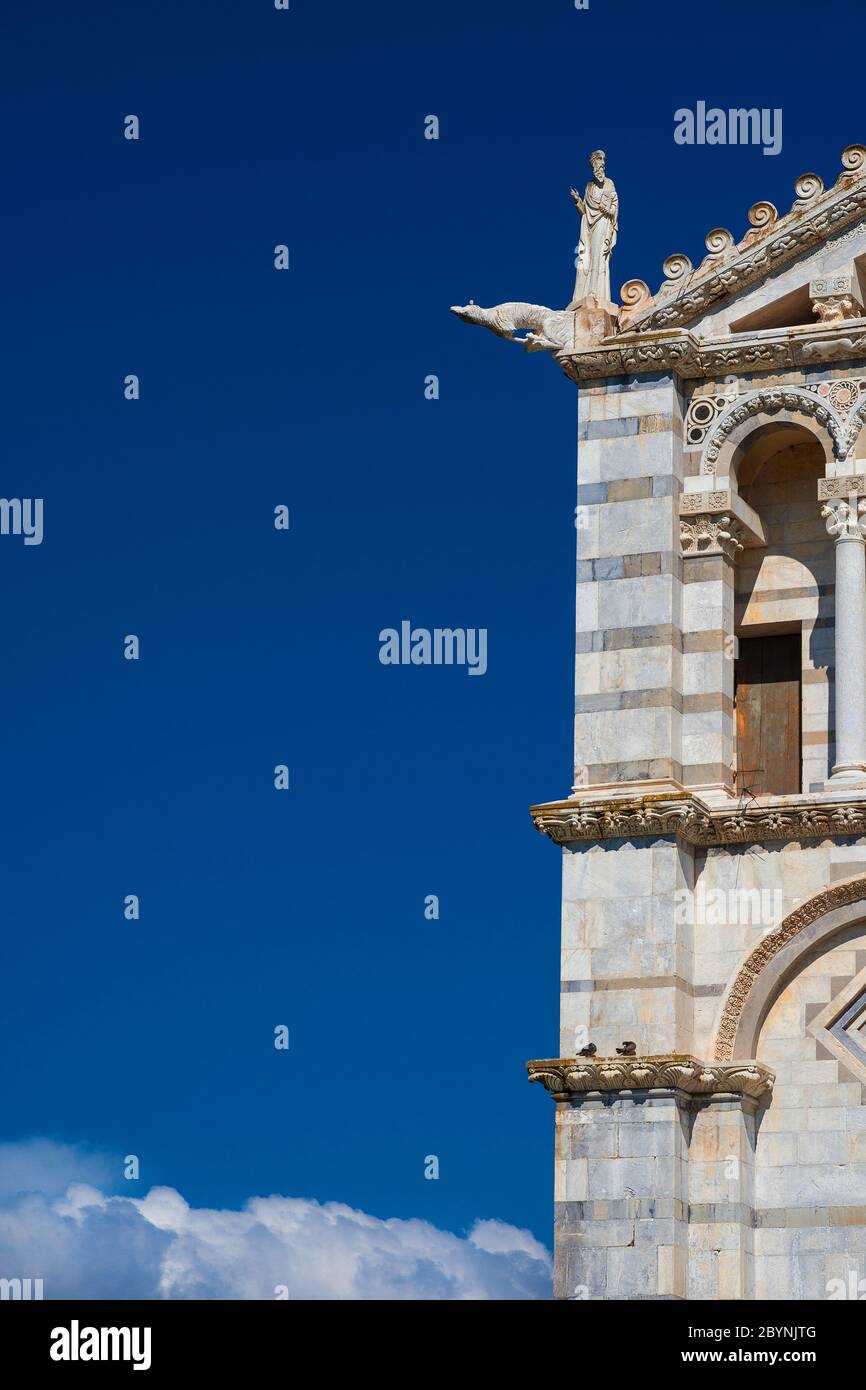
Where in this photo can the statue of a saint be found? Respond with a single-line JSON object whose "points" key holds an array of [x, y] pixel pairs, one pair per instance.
{"points": [[599, 210]]}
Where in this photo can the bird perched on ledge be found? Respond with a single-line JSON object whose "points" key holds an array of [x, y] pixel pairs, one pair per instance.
{"points": [[628, 1049], [589, 1051]]}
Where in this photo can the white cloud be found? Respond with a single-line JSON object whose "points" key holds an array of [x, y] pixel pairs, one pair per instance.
{"points": [[86, 1244]]}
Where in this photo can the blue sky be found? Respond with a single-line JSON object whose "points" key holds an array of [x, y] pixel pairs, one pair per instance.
{"points": [[306, 387]]}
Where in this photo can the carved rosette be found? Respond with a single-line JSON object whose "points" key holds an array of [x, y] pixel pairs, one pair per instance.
{"points": [[566, 1078], [702, 502]]}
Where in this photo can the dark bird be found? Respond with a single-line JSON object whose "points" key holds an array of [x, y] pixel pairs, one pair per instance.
{"points": [[628, 1049], [589, 1051]]}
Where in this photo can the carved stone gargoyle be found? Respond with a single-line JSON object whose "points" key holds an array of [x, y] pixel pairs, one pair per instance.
{"points": [[547, 327], [549, 330]]}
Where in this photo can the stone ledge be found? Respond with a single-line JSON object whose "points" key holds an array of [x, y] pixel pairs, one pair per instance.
{"points": [[693, 820], [565, 1077], [687, 356]]}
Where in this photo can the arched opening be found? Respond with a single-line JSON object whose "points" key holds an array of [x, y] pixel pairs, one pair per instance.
{"points": [[783, 616]]}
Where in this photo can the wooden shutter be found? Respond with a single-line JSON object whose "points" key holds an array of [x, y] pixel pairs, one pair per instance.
{"points": [[767, 710]]}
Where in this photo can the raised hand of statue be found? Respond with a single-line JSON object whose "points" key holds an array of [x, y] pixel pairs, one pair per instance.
{"points": [[578, 201]]}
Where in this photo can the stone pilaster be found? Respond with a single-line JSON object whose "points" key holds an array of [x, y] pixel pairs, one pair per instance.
{"points": [[626, 1199], [714, 527], [722, 1198]]}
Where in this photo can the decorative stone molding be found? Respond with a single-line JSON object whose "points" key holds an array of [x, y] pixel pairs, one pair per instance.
{"points": [[838, 895], [677, 268], [566, 1078], [705, 501], [768, 401], [855, 423], [842, 394], [718, 243], [687, 356], [635, 293], [762, 217], [807, 188], [691, 820], [851, 483]]}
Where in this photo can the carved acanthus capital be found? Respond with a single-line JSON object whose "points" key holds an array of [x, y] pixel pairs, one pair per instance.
{"points": [[836, 297], [845, 520], [708, 534], [568, 1077], [837, 308]]}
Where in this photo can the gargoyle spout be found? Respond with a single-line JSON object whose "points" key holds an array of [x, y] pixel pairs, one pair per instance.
{"points": [[546, 327]]}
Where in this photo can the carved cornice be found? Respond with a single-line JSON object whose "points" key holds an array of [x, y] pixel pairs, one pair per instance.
{"points": [[691, 820], [771, 243], [687, 356], [566, 1077]]}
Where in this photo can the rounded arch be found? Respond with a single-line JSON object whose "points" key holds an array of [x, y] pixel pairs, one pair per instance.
{"points": [[737, 425], [768, 966]]}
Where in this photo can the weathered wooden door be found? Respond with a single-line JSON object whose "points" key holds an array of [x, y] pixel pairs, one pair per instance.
{"points": [[767, 709]]}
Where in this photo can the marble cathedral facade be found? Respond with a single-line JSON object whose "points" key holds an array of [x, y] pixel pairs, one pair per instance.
{"points": [[710, 1092]]}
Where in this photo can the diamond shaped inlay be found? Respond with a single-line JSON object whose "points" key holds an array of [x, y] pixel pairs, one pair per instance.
{"points": [[841, 1026]]}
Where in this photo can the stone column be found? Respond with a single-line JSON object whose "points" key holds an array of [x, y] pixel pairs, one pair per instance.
{"points": [[846, 523]]}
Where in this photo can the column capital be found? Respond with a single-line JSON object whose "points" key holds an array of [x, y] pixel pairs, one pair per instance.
{"points": [[846, 520], [711, 535]]}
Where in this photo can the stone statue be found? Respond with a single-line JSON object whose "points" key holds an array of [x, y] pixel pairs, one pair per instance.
{"points": [[547, 326], [599, 212]]}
